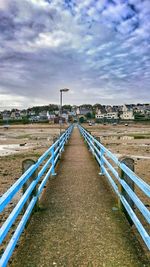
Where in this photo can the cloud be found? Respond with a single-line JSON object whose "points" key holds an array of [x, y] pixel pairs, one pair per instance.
{"points": [[100, 49]]}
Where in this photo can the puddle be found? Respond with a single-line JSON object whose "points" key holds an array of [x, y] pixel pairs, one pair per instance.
{"points": [[115, 137], [123, 137], [132, 156], [142, 137], [12, 149]]}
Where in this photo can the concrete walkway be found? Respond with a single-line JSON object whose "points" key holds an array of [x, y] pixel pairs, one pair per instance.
{"points": [[77, 225]]}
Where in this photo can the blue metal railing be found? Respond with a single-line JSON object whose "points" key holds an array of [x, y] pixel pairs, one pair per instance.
{"points": [[100, 153], [52, 154]]}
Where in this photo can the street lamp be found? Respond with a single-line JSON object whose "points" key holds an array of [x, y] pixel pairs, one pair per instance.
{"points": [[60, 110]]}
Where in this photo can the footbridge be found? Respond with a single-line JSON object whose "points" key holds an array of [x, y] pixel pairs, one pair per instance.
{"points": [[78, 207]]}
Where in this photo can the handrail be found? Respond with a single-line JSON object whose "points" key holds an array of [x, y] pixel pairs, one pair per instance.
{"points": [[100, 152], [52, 154]]}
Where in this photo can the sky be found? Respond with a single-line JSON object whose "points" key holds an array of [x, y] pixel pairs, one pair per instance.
{"points": [[99, 49]]}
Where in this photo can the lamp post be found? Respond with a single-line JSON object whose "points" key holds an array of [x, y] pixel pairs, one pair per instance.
{"points": [[60, 110]]}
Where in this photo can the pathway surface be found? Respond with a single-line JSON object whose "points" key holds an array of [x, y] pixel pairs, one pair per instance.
{"points": [[77, 225]]}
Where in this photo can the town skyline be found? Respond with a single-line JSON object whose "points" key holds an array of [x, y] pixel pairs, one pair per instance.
{"points": [[72, 105], [98, 113]]}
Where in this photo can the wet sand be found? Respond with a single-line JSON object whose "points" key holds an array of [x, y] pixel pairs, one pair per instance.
{"points": [[78, 226], [132, 141], [31, 141]]}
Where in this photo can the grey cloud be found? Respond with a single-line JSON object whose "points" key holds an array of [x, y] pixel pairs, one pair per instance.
{"points": [[46, 45]]}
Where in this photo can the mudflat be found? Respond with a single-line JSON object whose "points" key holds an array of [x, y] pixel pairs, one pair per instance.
{"points": [[78, 224]]}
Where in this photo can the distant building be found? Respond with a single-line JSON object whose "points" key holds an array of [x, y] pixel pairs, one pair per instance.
{"points": [[56, 112], [65, 116], [72, 113], [126, 107], [109, 116], [100, 111], [127, 115], [51, 116], [57, 120], [31, 112], [23, 113], [127, 112], [74, 110], [15, 115], [6, 115], [83, 111], [109, 109]]}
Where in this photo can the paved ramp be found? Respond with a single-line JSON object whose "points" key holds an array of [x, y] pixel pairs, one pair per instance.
{"points": [[77, 225]]}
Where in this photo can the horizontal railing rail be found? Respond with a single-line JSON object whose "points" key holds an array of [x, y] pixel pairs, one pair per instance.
{"points": [[100, 152], [53, 154]]}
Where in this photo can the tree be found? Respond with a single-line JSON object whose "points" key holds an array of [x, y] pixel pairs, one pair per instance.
{"points": [[25, 120], [88, 106], [67, 107], [81, 120], [89, 115]]}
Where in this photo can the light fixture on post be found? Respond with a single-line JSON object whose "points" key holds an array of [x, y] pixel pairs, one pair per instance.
{"points": [[60, 110]]}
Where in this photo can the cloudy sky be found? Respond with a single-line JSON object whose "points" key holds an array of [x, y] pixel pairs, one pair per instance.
{"points": [[100, 49]]}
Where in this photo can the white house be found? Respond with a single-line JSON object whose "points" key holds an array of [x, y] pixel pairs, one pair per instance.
{"points": [[6, 115], [99, 112], [99, 116], [23, 113], [65, 116], [127, 107], [109, 116], [83, 110], [127, 115]]}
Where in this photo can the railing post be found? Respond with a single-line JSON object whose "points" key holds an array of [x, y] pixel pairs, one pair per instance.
{"points": [[59, 147], [101, 162], [53, 161], [66, 137], [84, 137], [98, 139], [129, 162], [26, 164], [89, 144], [92, 148], [63, 144], [68, 133]]}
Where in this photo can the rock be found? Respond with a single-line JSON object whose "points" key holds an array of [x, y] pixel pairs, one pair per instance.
{"points": [[23, 144], [114, 208]]}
